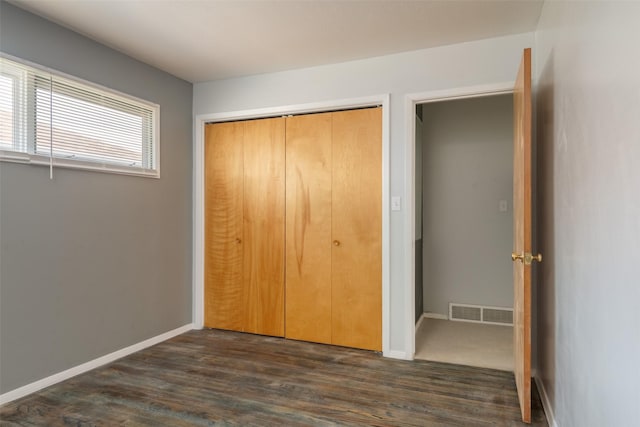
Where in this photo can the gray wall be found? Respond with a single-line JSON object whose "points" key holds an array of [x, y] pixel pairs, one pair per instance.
{"points": [[482, 62], [588, 105], [467, 170], [91, 262]]}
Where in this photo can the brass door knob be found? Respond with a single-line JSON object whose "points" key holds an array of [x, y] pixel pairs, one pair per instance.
{"points": [[336, 243], [527, 258]]}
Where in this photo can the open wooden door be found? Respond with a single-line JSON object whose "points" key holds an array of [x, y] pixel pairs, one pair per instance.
{"points": [[522, 256]]}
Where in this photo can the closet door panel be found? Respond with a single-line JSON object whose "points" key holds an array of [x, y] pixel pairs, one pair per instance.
{"points": [[357, 229], [264, 210], [308, 231], [223, 226]]}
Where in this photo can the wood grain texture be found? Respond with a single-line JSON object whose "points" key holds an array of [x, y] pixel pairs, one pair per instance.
{"points": [[522, 234], [308, 231], [357, 228], [264, 225], [223, 293], [209, 377]]}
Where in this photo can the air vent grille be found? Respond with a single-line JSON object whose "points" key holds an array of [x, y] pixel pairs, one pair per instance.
{"points": [[493, 315], [462, 312], [480, 314]]}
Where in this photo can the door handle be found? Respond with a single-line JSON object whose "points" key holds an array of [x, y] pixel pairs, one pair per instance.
{"points": [[238, 241], [336, 243], [527, 258]]}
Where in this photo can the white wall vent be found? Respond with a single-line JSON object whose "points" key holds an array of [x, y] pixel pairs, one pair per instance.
{"points": [[465, 312], [480, 314]]}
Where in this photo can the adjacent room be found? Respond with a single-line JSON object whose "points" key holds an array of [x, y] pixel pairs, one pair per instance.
{"points": [[464, 217], [319, 212]]}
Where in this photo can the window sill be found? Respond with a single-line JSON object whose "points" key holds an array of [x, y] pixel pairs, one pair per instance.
{"points": [[31, 159]]}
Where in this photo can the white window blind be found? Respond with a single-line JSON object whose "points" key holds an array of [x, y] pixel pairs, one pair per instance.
{"points": [[6, 112], [12, 108], [46, 115]]}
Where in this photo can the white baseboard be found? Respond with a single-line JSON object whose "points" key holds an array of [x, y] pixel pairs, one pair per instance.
{"points": [[436, 316], [422, 316], [92, 364], [396, 354], [546, 404], [430, 316]]}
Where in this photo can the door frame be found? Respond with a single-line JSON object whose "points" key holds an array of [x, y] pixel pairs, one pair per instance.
{"points": [[411, 101], [198, 195]]}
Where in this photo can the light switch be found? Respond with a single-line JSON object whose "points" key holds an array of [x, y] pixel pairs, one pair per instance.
{"points": [[502, 206], [395, 203]]}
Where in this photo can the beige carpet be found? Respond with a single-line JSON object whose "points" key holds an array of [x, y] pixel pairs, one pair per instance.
{"points": [[464, 343]]}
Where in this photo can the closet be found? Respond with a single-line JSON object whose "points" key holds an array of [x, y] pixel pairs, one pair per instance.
{"points": [[293, 227]]}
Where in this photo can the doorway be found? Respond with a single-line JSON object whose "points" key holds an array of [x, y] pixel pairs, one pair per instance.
{"points": [[463, 230]]}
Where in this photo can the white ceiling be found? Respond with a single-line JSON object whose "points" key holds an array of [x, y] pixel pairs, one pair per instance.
{"points": [[207, 40]]}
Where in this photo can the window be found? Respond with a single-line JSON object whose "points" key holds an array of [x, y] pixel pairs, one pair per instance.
{"points": [[49, 118]]}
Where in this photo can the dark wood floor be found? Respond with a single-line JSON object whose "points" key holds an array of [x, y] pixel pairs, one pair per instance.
{"points": [[226, 378]]}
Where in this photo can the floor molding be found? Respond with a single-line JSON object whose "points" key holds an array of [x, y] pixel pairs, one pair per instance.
{"points": [[430, 316], [546, 403], [92, 364], [436, 316], [396, 354], [419, 323]]}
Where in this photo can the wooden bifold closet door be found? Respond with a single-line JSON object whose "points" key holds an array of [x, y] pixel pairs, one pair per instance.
{"points": [[244, 226], [224, 181], [334, 228], [299, 257], [357, 229], [308, 244]]}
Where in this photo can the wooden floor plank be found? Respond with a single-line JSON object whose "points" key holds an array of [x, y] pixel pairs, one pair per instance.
{"points": [[213, 377]]}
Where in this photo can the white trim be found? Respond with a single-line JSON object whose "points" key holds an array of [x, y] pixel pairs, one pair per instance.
{"points": [[419, 323], [429, 315], [410, 197], [411, 100], [461, 93], [313, 107], [386, 225], [58, 162], [546, 403], [436, 316], [198, 223], [198, 194], [396, 354], [92, 364]]}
